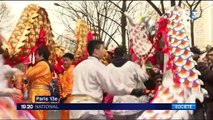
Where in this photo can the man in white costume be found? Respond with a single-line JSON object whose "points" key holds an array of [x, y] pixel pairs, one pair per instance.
{"points": [[91, 79], [131, 75], [4, 90], [9, 96]]}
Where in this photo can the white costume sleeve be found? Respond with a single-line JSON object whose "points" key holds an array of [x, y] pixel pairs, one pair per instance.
{"points": [[111, 85], [6, 92], [92, 78], [141, 72]]}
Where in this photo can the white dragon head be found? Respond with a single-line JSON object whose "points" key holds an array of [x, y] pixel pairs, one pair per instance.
{"points": [[142, 33]]}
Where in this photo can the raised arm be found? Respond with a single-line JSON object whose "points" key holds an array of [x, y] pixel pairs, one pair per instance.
{"points": [[38, 70]]}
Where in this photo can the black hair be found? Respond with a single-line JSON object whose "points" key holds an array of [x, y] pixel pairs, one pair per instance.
{"points": [[42, 50], [119, 51], [157, 76], [196, 51], [68, 55], [92, 45], [211, 49], [1, 51]]}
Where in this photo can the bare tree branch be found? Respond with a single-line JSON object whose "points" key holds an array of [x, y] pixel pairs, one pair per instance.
{"points": [[201, 13], [162, 6], [104, 19], [196, 5], [193, 2], [111, 37], [129, 5], [179, 3], [155, 7], [133, 7], [187, 2], [115, 4], [109, 41], [111, 19], [173, 3], [192, 21], [98, 15], [5, 18]]}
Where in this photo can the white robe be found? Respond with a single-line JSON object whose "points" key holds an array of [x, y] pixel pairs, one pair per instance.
{"points": [[6, 69], [4, 90], [92, 78], [6, 94], [131, 75]]}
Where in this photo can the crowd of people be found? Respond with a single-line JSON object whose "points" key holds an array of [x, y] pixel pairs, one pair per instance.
{"points": [[205, 67], [91, 81]]}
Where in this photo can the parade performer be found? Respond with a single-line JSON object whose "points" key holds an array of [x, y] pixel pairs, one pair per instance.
{"points": [[32, 31], [10, 96], [83, 36], [91, 79], [130, 74], [39, 77], [66, 83], [107, 97]]}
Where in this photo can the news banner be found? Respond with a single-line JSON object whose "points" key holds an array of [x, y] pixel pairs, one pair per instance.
{"points": [[53, 105]]}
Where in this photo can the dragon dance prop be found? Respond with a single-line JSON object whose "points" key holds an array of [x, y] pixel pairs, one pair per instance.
{"points": [[83, 36], [142, 39], [32, 30], [180, 78]]}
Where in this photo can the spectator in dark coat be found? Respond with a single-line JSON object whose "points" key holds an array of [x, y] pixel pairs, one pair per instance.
{"points": [[207, 77]]}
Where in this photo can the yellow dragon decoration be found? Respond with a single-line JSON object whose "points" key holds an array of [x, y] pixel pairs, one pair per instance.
{"points": [[32, 26]]}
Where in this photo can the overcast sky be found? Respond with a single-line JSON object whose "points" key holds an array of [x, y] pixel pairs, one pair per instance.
{"points": [[17, 7]]}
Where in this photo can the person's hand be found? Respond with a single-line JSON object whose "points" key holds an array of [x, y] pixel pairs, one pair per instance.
{"points": [[62, 100], [203, 58], [17, 95], [156, 69], [137, 92], [18, 72], [142, 61], [17, 92]]}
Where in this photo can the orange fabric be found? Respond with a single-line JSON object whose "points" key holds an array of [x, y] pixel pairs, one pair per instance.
{"points": [[18, 83], [65, 115], [39, 74], [66, 83], [40, 114]]}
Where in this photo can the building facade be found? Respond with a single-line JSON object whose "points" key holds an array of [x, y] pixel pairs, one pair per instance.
{"points": [[204, 26]]}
